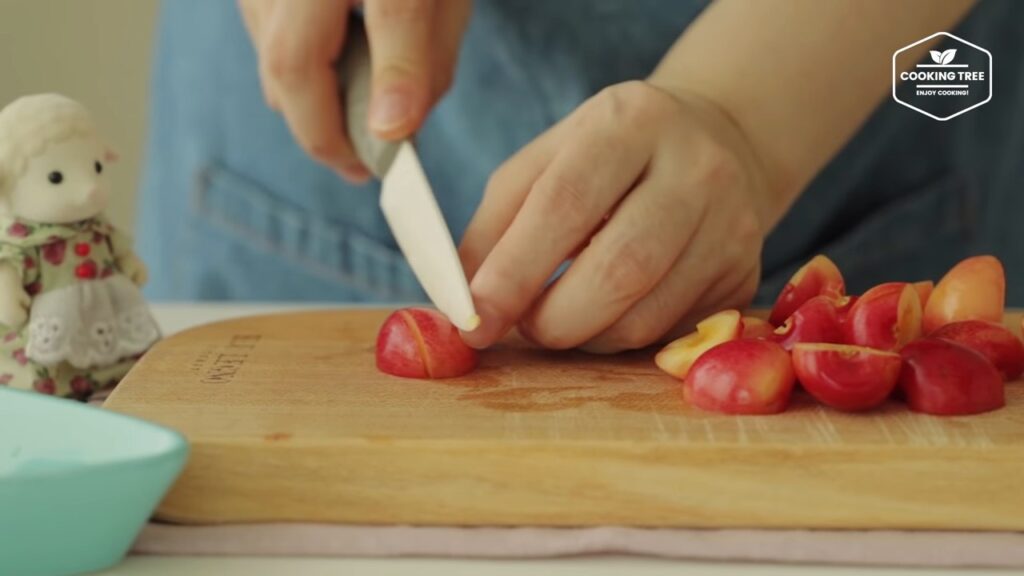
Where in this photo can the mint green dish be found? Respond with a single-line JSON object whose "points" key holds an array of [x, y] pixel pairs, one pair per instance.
{"points": [[77, 483]]}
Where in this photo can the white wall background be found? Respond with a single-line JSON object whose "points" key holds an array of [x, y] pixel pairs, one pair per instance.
{"points": [[95, 51]]}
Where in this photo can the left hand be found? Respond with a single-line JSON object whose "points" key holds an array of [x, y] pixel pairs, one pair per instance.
{"points": [[659, 194], [415, 47], [134, 268]]}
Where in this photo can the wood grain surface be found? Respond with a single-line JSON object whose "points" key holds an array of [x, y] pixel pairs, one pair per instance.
{"points": [[289, 420]]}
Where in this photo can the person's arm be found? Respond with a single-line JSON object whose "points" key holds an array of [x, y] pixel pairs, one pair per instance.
{"points": [[799, 77], [671, 185]]}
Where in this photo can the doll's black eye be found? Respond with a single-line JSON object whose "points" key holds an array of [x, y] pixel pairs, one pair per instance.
{"points": [[99, 167], [55, 177]]}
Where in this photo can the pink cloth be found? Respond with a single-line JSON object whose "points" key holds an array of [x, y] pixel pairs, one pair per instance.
{"points": [[881, 547]]}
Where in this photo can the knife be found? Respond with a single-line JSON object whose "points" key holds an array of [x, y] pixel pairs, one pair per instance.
{"points": [[406, 198]]}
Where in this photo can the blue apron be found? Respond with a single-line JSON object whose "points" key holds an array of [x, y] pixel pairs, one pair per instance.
{"points": [[231, 208]]}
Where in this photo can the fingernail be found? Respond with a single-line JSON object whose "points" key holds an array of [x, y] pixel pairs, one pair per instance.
{"points": [[389, 111], [492, 328]]}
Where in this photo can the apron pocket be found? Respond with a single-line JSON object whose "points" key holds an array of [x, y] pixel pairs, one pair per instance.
{"points": [[271, 225]]}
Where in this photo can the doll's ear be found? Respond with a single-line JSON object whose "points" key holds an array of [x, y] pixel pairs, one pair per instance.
{"points": [[110, 156]]}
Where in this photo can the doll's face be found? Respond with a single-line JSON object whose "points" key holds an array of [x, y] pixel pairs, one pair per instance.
{"points": [[65, 183]]}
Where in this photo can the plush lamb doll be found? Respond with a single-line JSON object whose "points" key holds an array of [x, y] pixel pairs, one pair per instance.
{"points": [[72, 319]]}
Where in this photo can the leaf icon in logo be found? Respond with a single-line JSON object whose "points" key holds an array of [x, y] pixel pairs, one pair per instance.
{"points": [[936, 56], [948, 55]]}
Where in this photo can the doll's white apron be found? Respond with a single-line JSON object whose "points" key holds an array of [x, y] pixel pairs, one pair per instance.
{"points": [[89, 324]]}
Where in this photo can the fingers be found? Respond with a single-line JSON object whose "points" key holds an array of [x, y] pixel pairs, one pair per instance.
{"points": [[299, 42], [414, 47], [564, 205], [450, 24], [506, 190], [402, 44], [253, 12], [693, 289], [623, 264]]}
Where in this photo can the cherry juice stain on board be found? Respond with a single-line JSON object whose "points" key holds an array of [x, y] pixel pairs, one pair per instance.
{"points": [[525, 379]]}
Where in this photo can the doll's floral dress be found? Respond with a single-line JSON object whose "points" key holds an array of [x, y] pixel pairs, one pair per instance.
{"points": [[88, 322]]}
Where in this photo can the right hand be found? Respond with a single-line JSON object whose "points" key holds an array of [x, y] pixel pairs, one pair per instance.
{"points": [[415, 46], [656, 199], [14, 308]]}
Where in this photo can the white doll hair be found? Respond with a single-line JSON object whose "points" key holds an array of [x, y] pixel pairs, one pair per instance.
{"points": [[31, 123]]}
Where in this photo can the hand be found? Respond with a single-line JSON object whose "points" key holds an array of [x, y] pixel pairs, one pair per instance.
{"points": [[14, 301], [414, 44], [135, 269], [661, 197]]}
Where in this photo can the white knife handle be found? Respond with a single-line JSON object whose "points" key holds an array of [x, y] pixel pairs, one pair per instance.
{"points": [[354, 76]]}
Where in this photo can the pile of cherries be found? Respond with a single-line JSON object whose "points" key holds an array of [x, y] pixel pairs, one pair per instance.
{"points": [[941, 348]]}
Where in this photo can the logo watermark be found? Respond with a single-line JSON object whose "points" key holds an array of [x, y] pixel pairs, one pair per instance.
{"points": [[956, 79]]}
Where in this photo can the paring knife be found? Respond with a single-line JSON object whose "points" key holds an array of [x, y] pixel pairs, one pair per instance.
{"points": [[406, 199]]}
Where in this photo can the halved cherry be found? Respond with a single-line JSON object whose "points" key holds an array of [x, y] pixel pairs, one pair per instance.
{"points": [[974, 289], [993, 341], [818, 277], [817, 320], [886, 317], [846, 377], [924, 291], [752, 376], [422, 343], [677, 356], [754, 327], [944, 378]]}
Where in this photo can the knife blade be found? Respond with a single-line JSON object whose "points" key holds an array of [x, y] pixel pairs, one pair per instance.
{"points": [[419, 228], [407, 199]]}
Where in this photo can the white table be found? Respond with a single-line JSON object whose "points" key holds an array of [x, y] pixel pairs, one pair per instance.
{"points": [[176, 317]]}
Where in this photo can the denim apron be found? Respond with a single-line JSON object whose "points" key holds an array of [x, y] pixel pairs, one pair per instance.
{"points": [[231, 208]]}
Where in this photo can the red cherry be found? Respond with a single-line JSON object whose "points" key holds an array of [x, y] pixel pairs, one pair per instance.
{"points": [[30, 262], [82, 249], [86, 270]]}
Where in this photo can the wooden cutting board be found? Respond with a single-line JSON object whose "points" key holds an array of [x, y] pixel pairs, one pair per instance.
{"points": [[289, 420]]}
